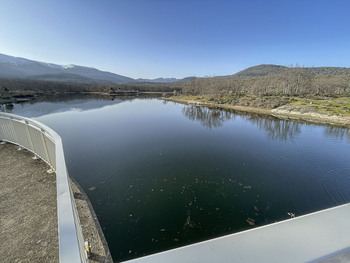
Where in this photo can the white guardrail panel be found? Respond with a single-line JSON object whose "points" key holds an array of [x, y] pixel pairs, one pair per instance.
{"points": [[47, 144]]}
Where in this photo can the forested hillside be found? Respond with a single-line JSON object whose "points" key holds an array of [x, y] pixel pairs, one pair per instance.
{"points": [[265, 80]]}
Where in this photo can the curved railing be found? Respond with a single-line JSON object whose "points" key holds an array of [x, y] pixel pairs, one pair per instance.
{"points": [[47, 145]]}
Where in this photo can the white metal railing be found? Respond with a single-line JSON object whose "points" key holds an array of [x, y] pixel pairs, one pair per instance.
{"points": [[47, 144]]}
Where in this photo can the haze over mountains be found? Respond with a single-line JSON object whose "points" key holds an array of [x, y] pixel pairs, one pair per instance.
{"points": [[15, 67]]}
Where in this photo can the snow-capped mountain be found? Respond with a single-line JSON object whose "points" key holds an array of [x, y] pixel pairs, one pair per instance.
{"points": [[15, 67]]}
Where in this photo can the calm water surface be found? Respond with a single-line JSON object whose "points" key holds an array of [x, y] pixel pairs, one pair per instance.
{"points": [[162, 175]]}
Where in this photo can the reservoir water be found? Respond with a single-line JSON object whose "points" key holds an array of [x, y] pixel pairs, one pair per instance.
{"points": [[162, 175]]}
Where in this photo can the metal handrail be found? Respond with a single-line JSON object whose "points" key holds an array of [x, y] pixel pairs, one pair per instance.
{"points": [[47, 144]]}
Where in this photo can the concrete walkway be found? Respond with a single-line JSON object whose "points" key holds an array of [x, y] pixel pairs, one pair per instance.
{"points": [[28, 207], [28, 217]]}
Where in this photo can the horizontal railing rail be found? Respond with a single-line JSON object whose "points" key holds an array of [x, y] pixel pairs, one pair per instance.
{"points": [[47, 145]]}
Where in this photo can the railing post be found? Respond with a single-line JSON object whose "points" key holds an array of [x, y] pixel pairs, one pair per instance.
{"points": [[13, 129], [30, 138], [45, 146]]}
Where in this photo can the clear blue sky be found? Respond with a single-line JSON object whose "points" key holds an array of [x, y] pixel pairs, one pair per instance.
{"points": [[177, 38]]}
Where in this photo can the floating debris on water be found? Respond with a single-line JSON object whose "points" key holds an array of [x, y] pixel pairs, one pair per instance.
{"points": [[92, 188], [188, 220], [251, 221]]}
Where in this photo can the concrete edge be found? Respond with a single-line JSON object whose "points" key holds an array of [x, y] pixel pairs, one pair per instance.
{"points": [[97, 223]]}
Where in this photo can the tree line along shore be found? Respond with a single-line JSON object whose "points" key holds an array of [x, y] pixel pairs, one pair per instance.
{"points": [[314, 94]]}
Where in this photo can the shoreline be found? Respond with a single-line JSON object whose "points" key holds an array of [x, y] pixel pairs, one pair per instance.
{"points": [[286, 112]]}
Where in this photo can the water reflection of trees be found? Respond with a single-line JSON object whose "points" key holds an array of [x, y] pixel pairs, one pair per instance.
{"points": [[207, 117], [338, 132], [212, 118], [276, 129]]}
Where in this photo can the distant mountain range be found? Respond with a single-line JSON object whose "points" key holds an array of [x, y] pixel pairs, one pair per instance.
{"points": [[21, 68], [15, 67]]}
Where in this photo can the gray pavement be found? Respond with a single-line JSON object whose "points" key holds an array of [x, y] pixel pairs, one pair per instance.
{"points": [[28, 218]]}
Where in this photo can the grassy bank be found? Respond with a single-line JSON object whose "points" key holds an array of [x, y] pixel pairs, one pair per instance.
{"points": [[334, 111], [331, 106]]}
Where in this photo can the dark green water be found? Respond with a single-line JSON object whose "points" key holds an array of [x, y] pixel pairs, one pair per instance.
{"points": [[162, 175]]}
